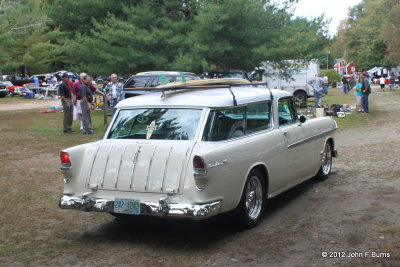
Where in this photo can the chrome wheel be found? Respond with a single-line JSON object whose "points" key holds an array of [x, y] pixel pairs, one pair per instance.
{"points": [[327, 159], [254, 195]]}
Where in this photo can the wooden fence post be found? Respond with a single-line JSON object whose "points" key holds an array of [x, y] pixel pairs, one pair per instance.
{"points": [[105, 107]]}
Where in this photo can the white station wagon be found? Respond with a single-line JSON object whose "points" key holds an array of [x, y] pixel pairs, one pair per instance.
{"points": [[198, 152]]}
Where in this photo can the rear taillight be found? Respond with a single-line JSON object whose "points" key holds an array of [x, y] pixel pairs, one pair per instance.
{"points": [[65, 161], [199, 167]]}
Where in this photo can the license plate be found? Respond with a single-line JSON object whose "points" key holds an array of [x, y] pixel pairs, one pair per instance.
{"points": [[127, 206]]}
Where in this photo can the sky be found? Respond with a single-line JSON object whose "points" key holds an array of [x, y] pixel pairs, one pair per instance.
{"points": [[335, 9]]}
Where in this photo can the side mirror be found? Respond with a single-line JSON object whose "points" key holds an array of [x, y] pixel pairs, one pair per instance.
{"points": [[302, 119]]}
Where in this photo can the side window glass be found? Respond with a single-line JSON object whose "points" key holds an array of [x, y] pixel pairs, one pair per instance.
{"points": [[155, 82], [138, 81], [286, 114], [258, 117], [224, 124], [294, 110]]}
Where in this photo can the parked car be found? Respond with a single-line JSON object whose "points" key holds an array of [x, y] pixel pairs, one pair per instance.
{"points": [[103, 79], [14, 89], [218, 74], [43, 77], [198, 153], [137, 84], [3, 90], [17, 79]]}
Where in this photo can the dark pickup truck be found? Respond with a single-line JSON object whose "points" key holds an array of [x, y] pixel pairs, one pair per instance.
{"points": [[17, 79]]}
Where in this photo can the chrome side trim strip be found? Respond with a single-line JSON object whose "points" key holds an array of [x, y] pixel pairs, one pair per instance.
{"points": [[135, 157], [149, 169], [166, 168], [105, 167], [119, 167], [89, 176], [161, 208], [182, 169], [309, 138]]}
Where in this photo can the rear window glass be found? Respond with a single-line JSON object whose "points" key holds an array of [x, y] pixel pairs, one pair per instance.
{"points": [[156, 123]]}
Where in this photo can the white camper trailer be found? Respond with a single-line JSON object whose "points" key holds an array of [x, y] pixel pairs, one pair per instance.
{"points": [[291, 77]]}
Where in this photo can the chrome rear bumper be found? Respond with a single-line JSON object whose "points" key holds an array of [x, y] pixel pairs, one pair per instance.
{"points": [[161, 208]]}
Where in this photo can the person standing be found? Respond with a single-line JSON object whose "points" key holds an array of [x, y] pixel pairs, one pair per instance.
{"points": [[317, 83], [77, 96], [366, 90], [326, 85], [114, 91], [382, 82], [345, 86], [86, 94], [359, 94], [64, 91], [392, 82]]}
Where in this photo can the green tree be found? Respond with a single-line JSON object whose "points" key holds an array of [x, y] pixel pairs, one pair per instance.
{"points": [[363, 36], [147, 36], [392, 33], [27, 45]]}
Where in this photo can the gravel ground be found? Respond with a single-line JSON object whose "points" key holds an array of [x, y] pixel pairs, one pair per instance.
{"points": [[352, 218], [24, 104]]}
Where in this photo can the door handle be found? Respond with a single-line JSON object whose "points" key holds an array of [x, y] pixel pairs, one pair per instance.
{"points": [[285, 133]]}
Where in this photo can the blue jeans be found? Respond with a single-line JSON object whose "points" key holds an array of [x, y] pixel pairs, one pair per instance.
{"points": [[325, 88], [345, 88], [365, 103], [317, 98], [113, 103]]}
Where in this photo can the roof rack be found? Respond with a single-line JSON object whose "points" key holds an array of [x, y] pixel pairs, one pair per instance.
{"points": [[203, 84], [202, 87]]}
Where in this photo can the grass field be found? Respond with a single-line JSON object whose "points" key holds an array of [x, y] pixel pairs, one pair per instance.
{"points": [[335, 96]]}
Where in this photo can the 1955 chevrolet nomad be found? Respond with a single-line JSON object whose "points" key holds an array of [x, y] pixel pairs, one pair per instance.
{"points": [[198, 152]]}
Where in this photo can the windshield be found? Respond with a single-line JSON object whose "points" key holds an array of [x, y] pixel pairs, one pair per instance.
{"points": [[219, 75], [8, 83], [156, 123]]}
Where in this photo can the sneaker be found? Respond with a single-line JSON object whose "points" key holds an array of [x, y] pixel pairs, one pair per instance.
{"points": [[69, 132]]}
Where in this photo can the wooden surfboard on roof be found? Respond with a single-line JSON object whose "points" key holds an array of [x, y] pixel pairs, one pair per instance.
{"points": [[203, 82]]}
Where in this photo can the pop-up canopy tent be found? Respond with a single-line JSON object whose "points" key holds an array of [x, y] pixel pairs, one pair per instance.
{"points": [[378, 71]]}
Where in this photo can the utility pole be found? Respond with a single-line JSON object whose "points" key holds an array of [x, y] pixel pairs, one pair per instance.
{"points": [[327, 58]]}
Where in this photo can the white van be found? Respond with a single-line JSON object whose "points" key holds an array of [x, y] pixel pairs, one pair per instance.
{"points": [[291, 77]]}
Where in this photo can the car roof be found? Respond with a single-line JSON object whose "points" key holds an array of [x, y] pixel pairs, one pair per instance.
{"points": [[164, 72], [213, 98]]}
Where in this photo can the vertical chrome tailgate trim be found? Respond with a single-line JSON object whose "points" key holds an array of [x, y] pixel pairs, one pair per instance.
{"points": [[135, 157], [89, 175], [105, 167], [119, 167], [166, 168], [182, 169], [149, 169]]}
